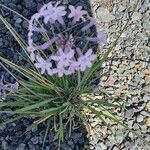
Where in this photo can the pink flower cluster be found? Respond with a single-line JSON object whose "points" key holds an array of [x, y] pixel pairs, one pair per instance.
{"points": [[7, 88], [63, 55]]}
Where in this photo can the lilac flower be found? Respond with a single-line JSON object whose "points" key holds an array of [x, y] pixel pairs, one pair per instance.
{"points": [[77, 13], [101, 39], [12, 87], [54, 13], [86, 60], [44, 65], [36, 29], [7, 87], [46, 44], [30, 41], [31, 50], [60, 71], [92, 22], [74, 66], [63, 58]]}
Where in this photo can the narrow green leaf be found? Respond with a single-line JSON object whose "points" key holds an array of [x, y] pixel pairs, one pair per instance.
{"points": [[55, 109], [105, 103], [46, 134], [37, 122], [11, 120], [35, 106]]}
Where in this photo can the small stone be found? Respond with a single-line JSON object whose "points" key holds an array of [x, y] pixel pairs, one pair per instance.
{"points": [[19, 20], [139, 108], [30, 4], [128, 145], [25, 24], [105, 15], [70, 143], [76, 137], [31, 146], [35, 140], [129, 113], [91, 147], [131, 135], [1, 41], [135, 100], [103, 146], [146, 98], [147, 79], [140, 118], [135, 126], [112, 139], [34, 129], [123, 35], [39, 6], [115, 148], [130, 123], [144, 128], [146, 71], [146, 25], [116, 63], [146, 89], [148, 122], [4, 145], [119, 138], [136, 16], [145, 113], [64, 146], [21, 146], [122, 8], [148, 106], [110, 90]]}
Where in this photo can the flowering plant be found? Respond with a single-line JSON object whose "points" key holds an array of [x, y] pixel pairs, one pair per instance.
{"points": [[62, 51], [63, 57]]}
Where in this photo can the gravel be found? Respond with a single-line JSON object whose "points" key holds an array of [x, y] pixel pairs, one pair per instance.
{"points": [[13, 136], [130, 73]]}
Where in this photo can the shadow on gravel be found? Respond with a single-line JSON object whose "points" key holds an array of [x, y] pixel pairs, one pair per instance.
{"points": [[13, 136]]}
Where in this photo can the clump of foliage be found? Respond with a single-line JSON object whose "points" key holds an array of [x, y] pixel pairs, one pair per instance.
{"points": [[63, 57]]}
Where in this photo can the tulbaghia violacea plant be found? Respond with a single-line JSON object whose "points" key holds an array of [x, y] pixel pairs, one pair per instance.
{"points": [[62, 65], [66, 30]]}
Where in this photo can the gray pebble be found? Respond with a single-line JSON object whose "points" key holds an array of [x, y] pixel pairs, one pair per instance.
{"points": [[102, 146], [140, 118], [146, 98], [21, 146], [34, 129], [115, 148], [135, 126], [35, 140], [1, 42], [31, 146], [19, 20], [30, 4], [129, 113], [131, 135]]}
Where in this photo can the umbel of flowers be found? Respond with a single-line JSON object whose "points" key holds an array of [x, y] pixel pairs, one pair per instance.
{"points": [[60, 39]]}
